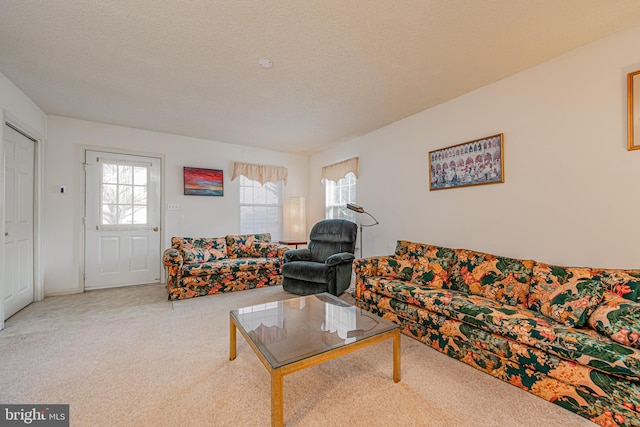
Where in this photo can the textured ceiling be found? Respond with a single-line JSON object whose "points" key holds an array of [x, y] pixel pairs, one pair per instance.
{"points": [[341, 68]]}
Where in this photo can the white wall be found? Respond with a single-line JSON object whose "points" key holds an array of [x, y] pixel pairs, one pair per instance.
{"points": [[198, 216], [572, 191]]}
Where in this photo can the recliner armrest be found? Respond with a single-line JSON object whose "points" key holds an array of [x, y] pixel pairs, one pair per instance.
{"points": [[297, 255], [340, 258]]}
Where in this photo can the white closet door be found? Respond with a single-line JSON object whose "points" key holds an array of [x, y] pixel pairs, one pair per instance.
{"points": [[18, 237]]}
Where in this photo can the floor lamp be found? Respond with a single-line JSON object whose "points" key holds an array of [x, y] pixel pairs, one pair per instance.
{"points": [[360, 209]]}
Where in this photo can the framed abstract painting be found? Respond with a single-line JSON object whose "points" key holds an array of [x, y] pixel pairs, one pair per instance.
{"points": [[203, 182], [476, 162]]}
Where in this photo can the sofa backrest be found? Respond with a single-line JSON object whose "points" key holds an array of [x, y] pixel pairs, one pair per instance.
{"points": [[502, 279], [430, 265], [196, 250], [249, 245]]}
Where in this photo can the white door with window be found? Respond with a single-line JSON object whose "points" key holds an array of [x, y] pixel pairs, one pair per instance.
{"points": [[122, 220], [18, 227]]}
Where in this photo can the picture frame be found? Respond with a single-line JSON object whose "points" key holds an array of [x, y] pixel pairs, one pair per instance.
{"points": [[633, 111], [203, 182], [476, 162]]}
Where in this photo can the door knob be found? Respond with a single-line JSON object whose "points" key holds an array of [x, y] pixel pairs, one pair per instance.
{"points": [[6, 233], [155, 229]]}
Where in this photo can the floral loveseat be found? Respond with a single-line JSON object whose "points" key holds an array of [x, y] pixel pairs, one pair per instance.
{"points": [[568, 335], [204, 266]]}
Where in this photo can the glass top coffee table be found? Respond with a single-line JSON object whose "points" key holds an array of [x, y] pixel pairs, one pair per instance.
{"points": [[298, 333]]}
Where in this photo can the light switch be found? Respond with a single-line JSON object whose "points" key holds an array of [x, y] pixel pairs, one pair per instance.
{"points": [[173, 206]]}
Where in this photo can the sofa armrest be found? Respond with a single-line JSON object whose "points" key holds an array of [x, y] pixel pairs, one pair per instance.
{"points": [[282, 249], [297, 255], [339, 258], [171, 257], [363, 268]]}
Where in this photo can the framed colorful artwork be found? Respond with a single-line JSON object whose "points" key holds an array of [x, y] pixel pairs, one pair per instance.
{"points": [[203, 182], [476, 162]]}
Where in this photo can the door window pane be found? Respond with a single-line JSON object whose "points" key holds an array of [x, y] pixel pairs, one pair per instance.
{"points": [[124, 190]]}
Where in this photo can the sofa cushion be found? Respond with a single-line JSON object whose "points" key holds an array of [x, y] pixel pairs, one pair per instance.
{"points": [[199, 250], [624, 283], [395, 267], [547, 278], [502, 279], [442, 332], [573, 302], [431, 299], [231, 266], [241, 245], [618, 319], [585, 346]]}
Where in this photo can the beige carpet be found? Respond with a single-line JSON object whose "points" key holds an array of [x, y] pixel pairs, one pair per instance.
{"points": [[129, 357]]}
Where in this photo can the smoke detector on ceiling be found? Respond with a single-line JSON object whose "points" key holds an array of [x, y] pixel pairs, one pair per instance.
{"points": [[265, 63]]}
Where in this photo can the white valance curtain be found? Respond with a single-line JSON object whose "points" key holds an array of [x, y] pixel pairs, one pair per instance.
{"points": [[260, 173], [337, 171]]}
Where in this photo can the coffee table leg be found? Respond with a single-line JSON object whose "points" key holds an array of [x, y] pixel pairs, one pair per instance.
{"points": [[277, 399], [232, 339], [396, 356]]}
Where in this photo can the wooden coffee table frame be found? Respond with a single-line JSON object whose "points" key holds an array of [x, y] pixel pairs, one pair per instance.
{"points": [[277, 374]]}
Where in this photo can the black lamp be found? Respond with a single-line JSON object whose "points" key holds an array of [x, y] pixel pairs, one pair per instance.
{"points": [[360, 209]]}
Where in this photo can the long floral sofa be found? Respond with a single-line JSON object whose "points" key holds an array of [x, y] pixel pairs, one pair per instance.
{"points": [[205, 266], [568, 335]]}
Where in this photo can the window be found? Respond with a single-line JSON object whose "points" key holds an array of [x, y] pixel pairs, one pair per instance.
{"points": [[123, 193], [260, 207], [337, 195]]}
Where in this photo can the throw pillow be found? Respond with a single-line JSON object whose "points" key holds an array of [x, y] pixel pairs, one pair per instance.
{"points": [[200, 250], [395, 268], [547, 278], [624, 283], [573, 303], [619, 319], [239, 246]]}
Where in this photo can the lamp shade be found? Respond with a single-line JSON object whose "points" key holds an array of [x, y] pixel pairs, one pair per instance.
{"points": [[296, 219]]}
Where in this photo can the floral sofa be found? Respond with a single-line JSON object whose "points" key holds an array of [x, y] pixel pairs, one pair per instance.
{"points": [[204, 266], [568, 335]]}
